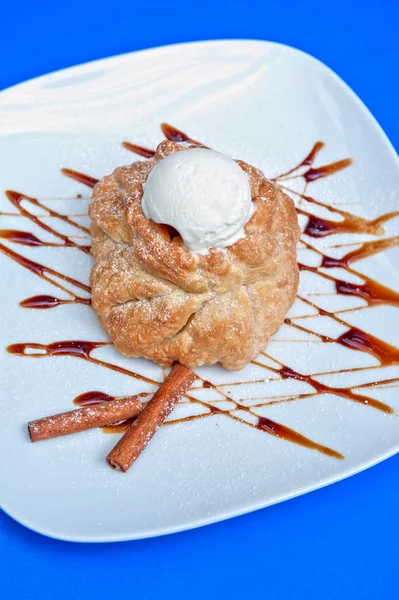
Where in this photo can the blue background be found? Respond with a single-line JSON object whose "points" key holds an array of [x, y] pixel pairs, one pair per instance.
{"points": [[339, 542]]}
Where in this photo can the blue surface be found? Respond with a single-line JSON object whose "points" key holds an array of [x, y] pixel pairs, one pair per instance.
{"points": [[339, 542]]}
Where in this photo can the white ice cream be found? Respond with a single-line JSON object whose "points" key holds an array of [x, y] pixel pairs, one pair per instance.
{"points": [[203, 194]]}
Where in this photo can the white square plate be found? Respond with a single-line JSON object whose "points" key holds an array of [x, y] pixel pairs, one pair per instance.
{"points": [[266, 104]]}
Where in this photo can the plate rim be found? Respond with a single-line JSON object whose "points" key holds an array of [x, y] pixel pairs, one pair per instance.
{"points": [[129, 537]]}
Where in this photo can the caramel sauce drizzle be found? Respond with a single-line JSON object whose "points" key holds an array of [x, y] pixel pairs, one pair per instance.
{"points": [[41, 270], [321, 388], [16, 200], [325, 170], [313, 174], [29, 239], [364, 251], [264, 424], [24, 238], [373, 292], [80, 177], [171, 133], [92, 398], [175, 135], [140, 150], [294, 437], [44, 301], [76, 348], [307, 161], [357, 339], [318, 227], [51, 276]]}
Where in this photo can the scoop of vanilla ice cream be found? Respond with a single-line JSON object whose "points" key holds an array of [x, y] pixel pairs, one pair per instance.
{"points": [[203, 194]]}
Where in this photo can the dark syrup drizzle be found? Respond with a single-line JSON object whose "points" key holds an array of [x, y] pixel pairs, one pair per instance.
{"points": [[81, 177], [263, 424], [91, 398], [29, 239], [44, 301], [45, 273], [288, 373], [171, 133], [326, 170], [373, 292], [294, 437], [313, 174], [308, 160], [318, 227], [370, 290], [140, 150], [357, 339], [366, 249], [24, 238], [175, 135], [95, 397], [76, 348], [16, 199], [41, 270]]}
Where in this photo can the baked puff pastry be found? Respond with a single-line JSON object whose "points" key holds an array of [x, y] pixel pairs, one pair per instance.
{"points": [[159, 300]]}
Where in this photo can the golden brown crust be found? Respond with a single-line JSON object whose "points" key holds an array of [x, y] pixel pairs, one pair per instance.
{"points": [[158, 300]]}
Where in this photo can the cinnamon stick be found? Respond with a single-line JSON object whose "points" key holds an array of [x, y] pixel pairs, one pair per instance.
{"points": [[136, 438], [82, 419]]}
